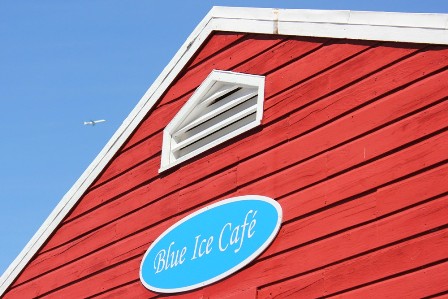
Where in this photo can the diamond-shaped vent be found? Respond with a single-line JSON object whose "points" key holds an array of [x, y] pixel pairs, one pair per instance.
{"points": [[224, 106]]}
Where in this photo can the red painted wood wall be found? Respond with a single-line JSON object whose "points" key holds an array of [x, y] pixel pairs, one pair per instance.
{"points": [[353, 146]]}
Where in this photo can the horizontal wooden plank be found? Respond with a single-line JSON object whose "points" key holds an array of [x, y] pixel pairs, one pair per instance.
{"points": [[325, 57], [141, 174], [354, 213], [409, 191], [134, 289], [219, 41], [362, 92], [128, 203], [417, 284], [357, 181], [129, 159], [157, 186], [118, 176], [247, 48], [378, 113], [322, 224], [157, 119], [198, 294], [343, 129], [249, 293], [280, 55], [111, 256], [388, 139], [370, 267], [353, 153], [354, 94], [101, 282], [330, 82], [309, 285], [104, 236], [386, 262], [107, 280]]}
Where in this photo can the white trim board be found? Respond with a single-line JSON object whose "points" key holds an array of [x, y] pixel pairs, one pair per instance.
{"points": [[383, 26]]}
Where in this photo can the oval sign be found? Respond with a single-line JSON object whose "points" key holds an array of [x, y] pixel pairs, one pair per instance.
{"points": [[210, 244]]}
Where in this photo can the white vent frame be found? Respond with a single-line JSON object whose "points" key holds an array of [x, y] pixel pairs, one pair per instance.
{"points": [[251, 89]]}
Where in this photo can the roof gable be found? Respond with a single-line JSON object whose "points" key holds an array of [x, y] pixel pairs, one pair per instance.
{"points": [[420, 28]]}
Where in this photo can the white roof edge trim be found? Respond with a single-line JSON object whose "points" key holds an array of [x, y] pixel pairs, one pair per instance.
{"points": [[399, 27]]}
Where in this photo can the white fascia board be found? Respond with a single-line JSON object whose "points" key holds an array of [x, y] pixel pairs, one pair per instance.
{"points": [[381, 26], [392, 19], [365, 32], [400, 27], [245, 13]]}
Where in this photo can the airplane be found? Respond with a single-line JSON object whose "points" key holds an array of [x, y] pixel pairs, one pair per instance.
{"points": [[93, 122]]}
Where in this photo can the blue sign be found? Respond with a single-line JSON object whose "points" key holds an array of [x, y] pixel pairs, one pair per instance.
{"points": [[210, 244]]}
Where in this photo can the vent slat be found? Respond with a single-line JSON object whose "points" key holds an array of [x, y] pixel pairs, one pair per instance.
{"points": [[215, 93], [217, 137], [220, 117], [214, 112], [214, 128]]}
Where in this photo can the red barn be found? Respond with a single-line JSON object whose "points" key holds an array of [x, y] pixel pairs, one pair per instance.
{"points": [[339, 116]]}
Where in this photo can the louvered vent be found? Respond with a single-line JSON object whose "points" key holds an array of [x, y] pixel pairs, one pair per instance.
{"points": [[225, 105]]}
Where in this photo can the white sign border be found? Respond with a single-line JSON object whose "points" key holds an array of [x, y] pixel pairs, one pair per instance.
{"points": [[232, 270]]}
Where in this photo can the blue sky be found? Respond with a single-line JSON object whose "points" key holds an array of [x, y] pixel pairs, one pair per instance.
{"points": [[65, 62]]}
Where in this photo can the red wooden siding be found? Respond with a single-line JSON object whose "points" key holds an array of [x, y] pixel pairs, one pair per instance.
{"points": [[353, 146]]}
